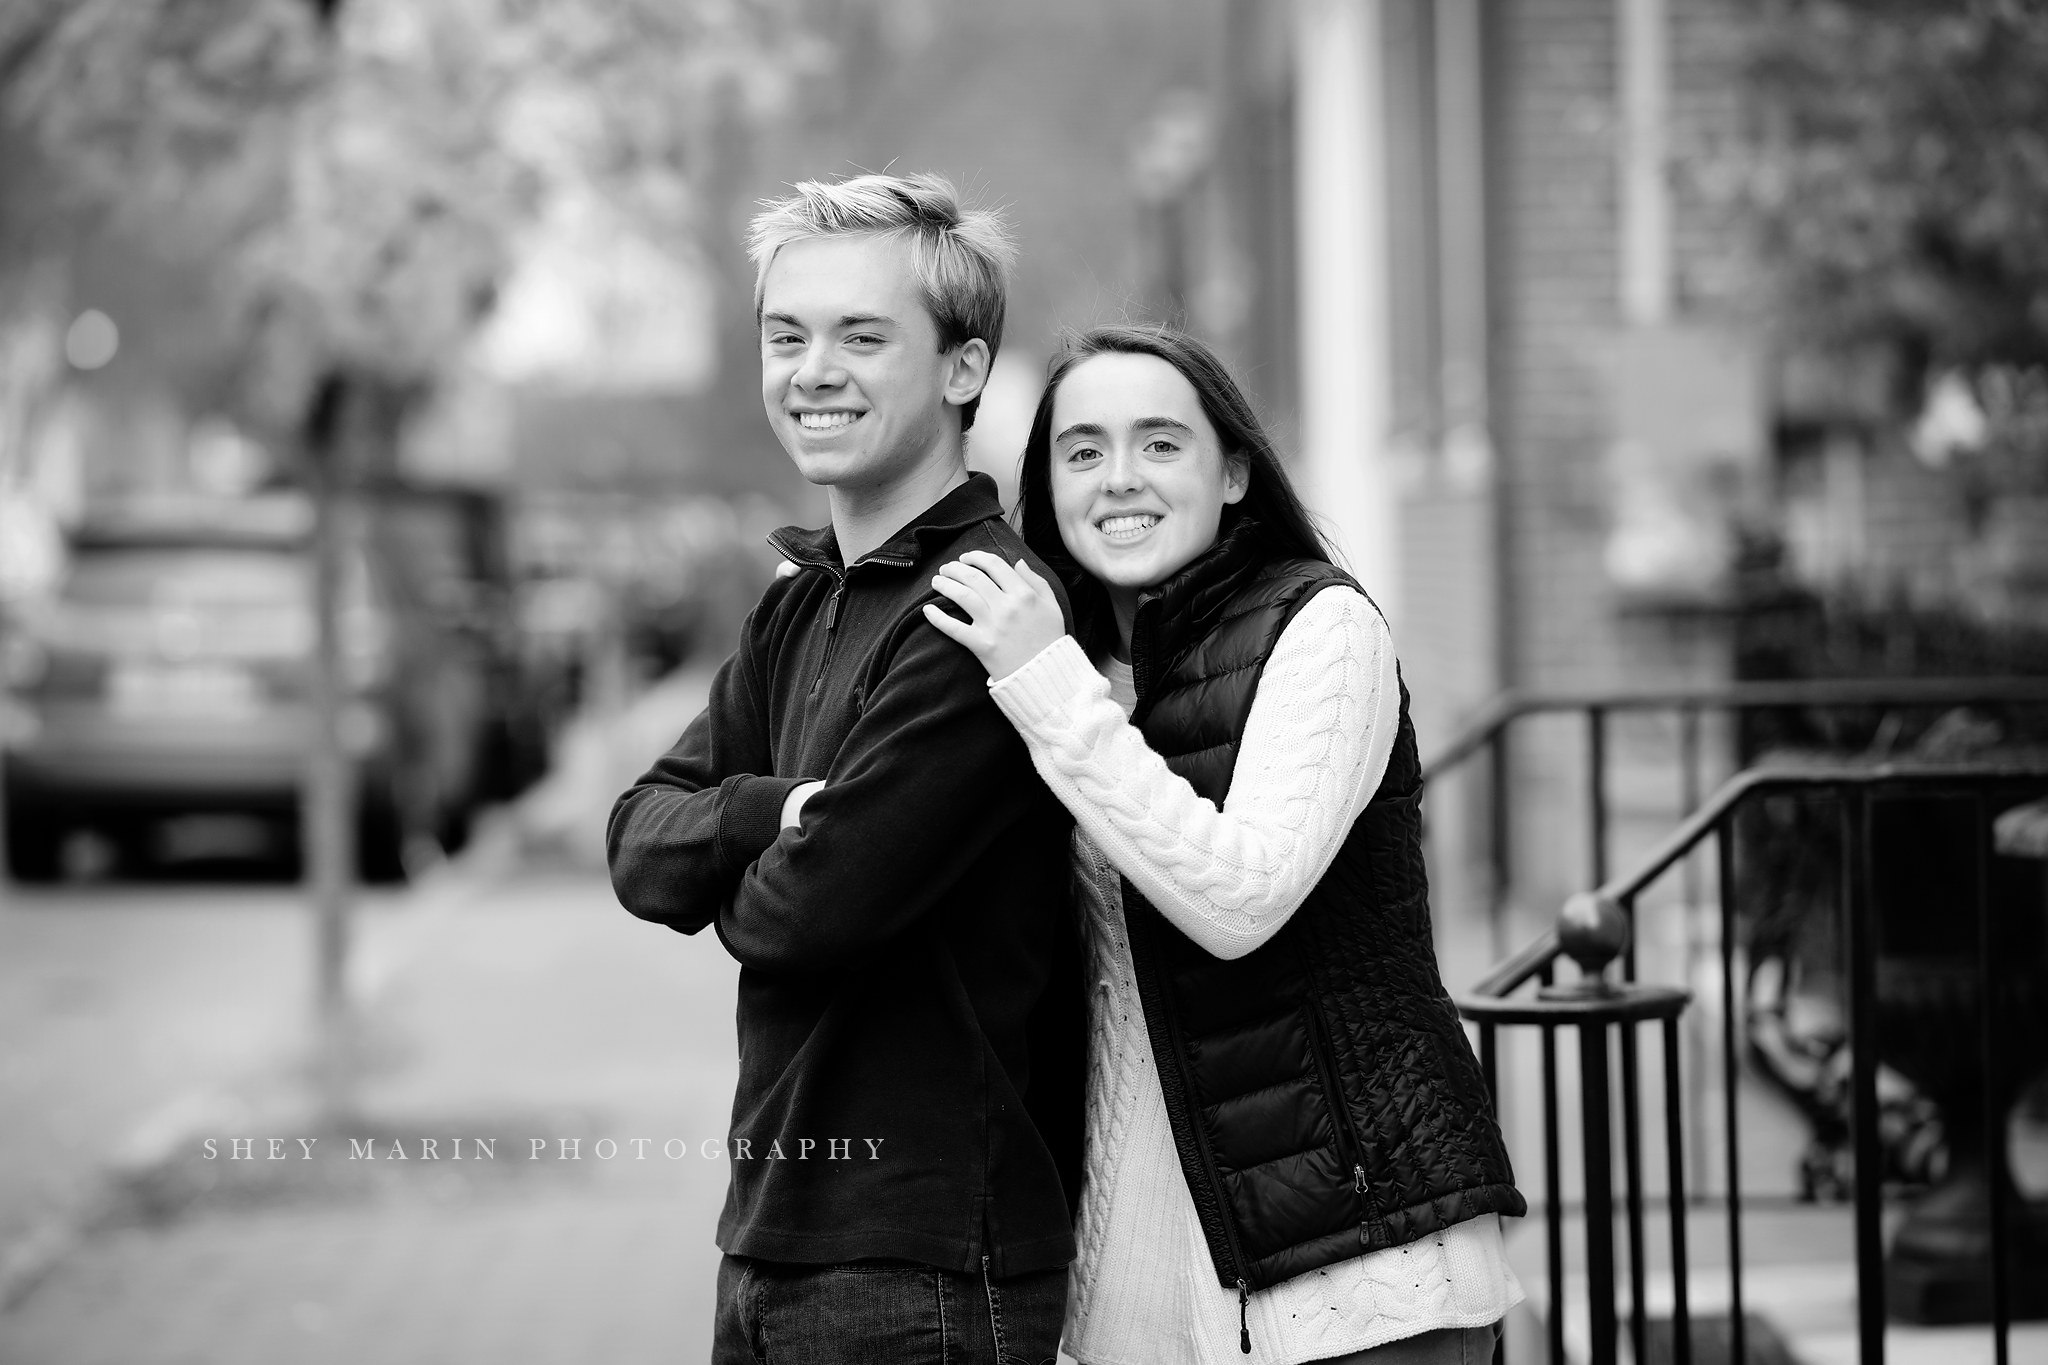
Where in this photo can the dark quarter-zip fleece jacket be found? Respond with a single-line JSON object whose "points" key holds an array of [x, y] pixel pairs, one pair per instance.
{"points": [[910, 1018]]}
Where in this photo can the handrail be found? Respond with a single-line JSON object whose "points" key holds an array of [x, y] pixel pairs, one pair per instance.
{"points": [[1593, 928], [1621, 890], [1505, 708]]}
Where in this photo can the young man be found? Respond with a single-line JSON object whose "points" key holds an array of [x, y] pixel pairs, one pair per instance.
{"points": [[864, 830]]}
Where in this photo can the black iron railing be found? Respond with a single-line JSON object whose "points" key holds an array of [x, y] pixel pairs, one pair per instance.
{"points": [[1490, 731], [1596, 928]]}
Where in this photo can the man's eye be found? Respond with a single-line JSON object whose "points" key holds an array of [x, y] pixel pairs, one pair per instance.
{"points": [[864, 339], [784, 339]]}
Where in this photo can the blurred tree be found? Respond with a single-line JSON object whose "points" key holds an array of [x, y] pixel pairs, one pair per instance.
{"points": [[362, 175], [358, 178], [1900, 180]]}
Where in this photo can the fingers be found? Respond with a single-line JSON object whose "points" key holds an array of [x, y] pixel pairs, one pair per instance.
{"points": [[1033, 577], [786, 570], [965, 596], [974, 577], [989, 598], [952, 627], [1000, 573]]}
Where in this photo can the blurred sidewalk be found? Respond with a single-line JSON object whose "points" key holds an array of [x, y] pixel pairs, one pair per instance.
{"points": [[508, 998]]}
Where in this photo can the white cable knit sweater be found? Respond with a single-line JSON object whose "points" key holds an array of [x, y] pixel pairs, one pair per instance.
{"points": [[1143, 1289]]}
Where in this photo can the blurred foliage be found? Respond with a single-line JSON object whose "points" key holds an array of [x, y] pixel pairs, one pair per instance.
{"points": [[359, 173], [2013, 457], [1901, 177]]}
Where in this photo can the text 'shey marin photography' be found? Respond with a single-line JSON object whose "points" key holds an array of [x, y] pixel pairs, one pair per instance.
{"points": [[544, 1149]]}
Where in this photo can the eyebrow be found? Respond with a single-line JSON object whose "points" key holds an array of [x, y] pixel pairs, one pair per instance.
{"points": [[1098, 431], [848, 320]]}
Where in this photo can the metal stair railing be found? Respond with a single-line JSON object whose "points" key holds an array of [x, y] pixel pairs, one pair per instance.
{"points": [[1597, 927], [1490, 730]]}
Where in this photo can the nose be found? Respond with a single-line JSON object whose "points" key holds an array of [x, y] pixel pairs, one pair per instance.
{"points": [[1122, 471], [820, 370]]}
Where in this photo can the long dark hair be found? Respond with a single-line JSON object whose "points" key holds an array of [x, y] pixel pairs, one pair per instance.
{"points": [[1271, 510]]}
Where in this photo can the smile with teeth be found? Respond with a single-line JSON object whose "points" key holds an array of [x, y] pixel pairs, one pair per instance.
{"points": [[827, 421], [1128, 527]]}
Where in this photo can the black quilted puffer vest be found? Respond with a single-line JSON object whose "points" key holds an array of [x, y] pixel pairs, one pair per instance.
{"points": [[1324, 1099]]}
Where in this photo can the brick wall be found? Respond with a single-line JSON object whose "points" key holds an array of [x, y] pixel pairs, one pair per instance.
{"points": [[1557, 329]]}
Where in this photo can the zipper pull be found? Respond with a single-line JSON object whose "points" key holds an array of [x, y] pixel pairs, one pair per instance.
{"points": [[831, 620], [1365, 1215], [1244, 1331]]}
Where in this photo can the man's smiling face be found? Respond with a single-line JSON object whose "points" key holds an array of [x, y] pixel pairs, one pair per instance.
{"points": [[852, 376]]}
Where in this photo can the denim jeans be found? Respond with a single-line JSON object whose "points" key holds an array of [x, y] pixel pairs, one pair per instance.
{"points": [[883, 1313], [1445, 1346]]}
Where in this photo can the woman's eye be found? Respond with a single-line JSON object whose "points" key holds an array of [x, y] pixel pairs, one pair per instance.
{"points": [[1083, 455], [1159, 445]]}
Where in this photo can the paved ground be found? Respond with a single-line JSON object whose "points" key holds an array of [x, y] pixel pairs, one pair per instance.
{"points": [[113, 1004], [518, 1005]]}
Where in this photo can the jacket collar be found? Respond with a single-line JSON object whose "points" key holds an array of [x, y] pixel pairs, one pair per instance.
{"points": [[1187, 606], [972, 502]]}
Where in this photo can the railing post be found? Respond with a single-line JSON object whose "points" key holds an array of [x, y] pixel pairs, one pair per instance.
{"points": [[1861, 933], [1632, 1152], [1695, 1043], [1632, 1170], [1994, 1113], [1501, 848], [1596, 791], [1489, 1071], [1553, 1191], [1597, 1141], [1489, 1067], [1731, 1072], [1674, 1161]]}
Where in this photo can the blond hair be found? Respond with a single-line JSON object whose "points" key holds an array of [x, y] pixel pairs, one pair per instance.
{"points": [[960, 257]]}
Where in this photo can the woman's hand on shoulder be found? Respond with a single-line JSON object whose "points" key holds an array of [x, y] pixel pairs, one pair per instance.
{"points": [[1012, 612]]}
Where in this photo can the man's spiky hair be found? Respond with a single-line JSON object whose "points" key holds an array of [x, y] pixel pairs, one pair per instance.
{"points": [[960, 257]]}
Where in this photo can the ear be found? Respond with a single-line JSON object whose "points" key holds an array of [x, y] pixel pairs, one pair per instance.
{"points": [[1237, 477], [967, 367]]}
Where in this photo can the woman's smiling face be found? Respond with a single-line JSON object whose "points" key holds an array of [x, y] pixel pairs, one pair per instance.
{"points": [[1139, 476]]}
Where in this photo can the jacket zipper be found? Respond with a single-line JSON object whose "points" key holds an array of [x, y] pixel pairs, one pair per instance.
{"points": [[831, 629], [1347, 1136]]}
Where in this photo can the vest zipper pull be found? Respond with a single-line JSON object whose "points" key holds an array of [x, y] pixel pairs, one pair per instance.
{"points": [[1244, 1331], [1365, 1217]]}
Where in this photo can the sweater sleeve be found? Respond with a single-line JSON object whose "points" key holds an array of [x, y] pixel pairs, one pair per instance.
{"points": [[681, 837], [1313, 752]]}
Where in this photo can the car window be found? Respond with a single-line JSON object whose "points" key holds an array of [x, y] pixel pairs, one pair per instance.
{"points": [[222, 579]]}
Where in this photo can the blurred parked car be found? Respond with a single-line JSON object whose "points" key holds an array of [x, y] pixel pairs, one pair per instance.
{"points": [[167, 692]]}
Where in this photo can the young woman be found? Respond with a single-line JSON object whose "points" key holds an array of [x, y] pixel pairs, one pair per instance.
{"points": [[1290, 1149]]}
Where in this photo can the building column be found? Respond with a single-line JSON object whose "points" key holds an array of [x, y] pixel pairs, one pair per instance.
{"points": [[1643, 81], [1342, 324]]}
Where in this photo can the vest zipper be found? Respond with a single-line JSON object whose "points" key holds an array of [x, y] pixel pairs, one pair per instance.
{"points": [[1348, 1140], [1244, 1330], [1141, 661], [1176, 1084]]}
